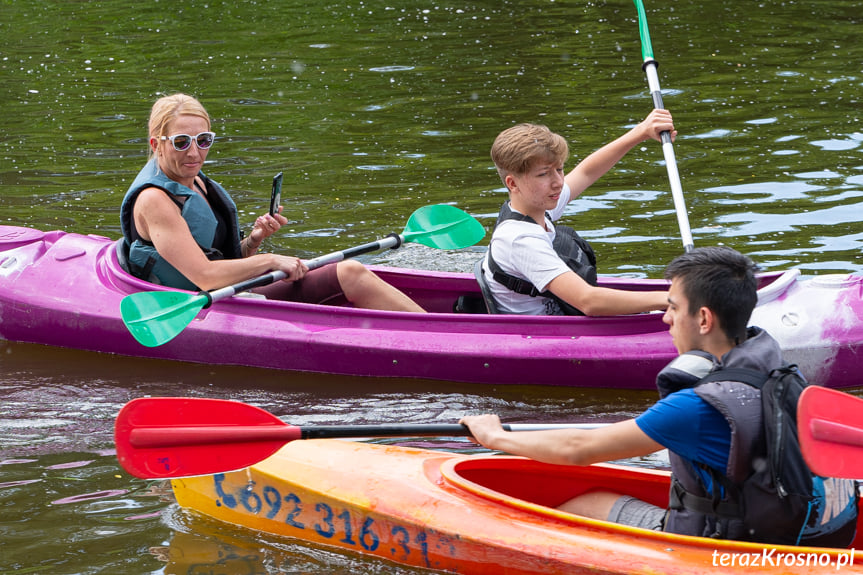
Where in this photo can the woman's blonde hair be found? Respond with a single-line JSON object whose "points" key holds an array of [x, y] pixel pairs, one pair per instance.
{"points": [[168, 108], [516, 149]]}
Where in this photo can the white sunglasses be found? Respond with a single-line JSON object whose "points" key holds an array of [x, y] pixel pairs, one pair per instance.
{"points": [[182, 142]]}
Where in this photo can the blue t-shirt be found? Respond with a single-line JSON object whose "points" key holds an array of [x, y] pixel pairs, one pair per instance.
{"points": [[684, 423]]}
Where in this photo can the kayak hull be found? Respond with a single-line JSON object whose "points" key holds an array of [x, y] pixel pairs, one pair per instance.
{"points": [[64, 289], [464, 514]]}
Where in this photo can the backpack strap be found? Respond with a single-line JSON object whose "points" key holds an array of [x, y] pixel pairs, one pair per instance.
{"points": [[723, 502], [750, 377], [713, 505]]}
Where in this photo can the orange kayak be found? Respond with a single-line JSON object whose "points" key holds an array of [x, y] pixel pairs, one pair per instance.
{"points": [[472, 514]]}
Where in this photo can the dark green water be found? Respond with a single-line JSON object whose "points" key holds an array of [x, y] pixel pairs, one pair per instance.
{"points": [[373, 110]]}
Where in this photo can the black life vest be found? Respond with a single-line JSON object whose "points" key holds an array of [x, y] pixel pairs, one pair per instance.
{"points": [[574, 250]]}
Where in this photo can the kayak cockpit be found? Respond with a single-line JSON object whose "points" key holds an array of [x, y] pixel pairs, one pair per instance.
{"points": [[539, 487], [446, 292]]}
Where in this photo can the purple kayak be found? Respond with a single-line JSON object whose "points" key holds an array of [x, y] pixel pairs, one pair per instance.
{"points": [[64, 289]]}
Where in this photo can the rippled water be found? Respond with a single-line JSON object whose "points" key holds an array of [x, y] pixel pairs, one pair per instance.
{"points": [[69, 508], [373, 110]]}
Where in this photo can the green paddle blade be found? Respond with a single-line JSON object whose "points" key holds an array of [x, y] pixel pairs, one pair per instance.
{"points": [[443, 227], [157, 317], [646, 48]]}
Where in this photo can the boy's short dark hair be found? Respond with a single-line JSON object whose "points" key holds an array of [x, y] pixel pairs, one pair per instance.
{"points": [[721, 279]]}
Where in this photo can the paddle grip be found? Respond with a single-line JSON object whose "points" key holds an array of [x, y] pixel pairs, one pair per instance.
{"points": [[649, 68]]}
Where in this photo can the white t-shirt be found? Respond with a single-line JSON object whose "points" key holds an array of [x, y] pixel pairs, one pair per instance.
{"points": [[525, 250]]}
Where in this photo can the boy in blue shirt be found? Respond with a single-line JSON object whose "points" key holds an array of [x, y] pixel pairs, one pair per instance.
{"points": [[712, 295]]}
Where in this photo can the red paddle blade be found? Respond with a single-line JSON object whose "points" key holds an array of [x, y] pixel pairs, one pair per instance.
{"points": [[161, 437], [830, 427]]}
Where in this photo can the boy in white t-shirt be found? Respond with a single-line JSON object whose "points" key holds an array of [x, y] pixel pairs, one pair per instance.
{"points": [[529, 159]]}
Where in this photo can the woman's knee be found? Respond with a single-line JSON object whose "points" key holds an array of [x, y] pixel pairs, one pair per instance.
{"points": [[351, 272]]}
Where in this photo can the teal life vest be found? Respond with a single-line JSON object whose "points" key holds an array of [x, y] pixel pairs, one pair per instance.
{"points": [[144, 261]]}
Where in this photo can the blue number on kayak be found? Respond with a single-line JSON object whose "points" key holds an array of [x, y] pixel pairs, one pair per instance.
{"points": [[422, 539], [290, 518], [445, 540], [402, 540], [345, 516], [228, 500], [251, 500], [273, 500], [368, 539], [328, 529]]}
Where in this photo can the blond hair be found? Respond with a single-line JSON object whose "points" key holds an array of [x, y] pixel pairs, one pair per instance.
{"points": [[517, 148], [167, 108]]}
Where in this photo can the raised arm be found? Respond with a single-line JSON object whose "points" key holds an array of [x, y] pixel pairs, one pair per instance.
{"points": [[599, 162]]}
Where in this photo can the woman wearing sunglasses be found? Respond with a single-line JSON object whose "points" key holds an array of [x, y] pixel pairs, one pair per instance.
{"points": [[182, 230]]}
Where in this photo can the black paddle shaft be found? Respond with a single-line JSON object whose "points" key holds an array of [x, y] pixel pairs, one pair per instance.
{"points": [[424, 429], [394, 430]]}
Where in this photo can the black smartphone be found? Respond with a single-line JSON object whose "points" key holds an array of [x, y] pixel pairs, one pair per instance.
{"points": [[276, 197]]}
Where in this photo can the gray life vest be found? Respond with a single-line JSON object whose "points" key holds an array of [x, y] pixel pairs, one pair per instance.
{"points": [[739, 493], [574, 250]]}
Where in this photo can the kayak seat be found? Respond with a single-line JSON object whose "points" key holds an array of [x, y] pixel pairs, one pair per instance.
{"points": [[477, 303], [121, 248], [487, 297]]}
